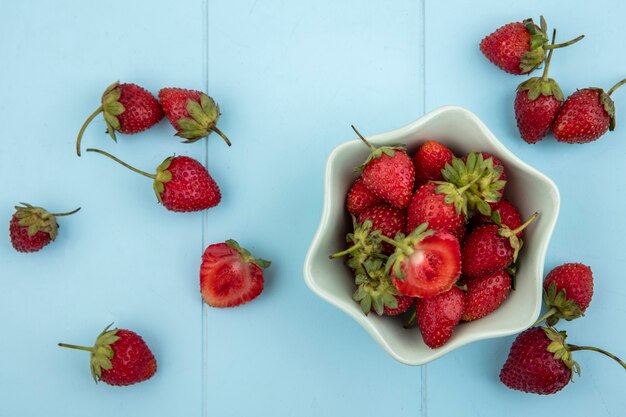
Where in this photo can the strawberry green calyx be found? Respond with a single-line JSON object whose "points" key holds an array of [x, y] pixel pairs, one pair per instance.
{"points": [[543, 85], [559, 306], [39, 220], [375, 152], [365, 244], [374, 288], [203, 120], [515, 242], [405, 246], [247, 257], [560, 349], [607, 101], [101, 351]]}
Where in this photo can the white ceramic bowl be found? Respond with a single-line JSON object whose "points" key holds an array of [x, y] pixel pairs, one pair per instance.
{"points": [[530, 191]]}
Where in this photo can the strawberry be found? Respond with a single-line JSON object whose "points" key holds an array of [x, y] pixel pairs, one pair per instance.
{"points": [[32, 228], [119, 357], [230, 275], [485, 294], [490, 248], [404, 304], [438, 316], [181, 183], [519, 47], [429, 205], [388, 173], [425, 263], [586, 115], [127, 108], [388, 219], [193, 114], [503, 213], [537, 103], [568, 289], [429, 160], [360, 198]]}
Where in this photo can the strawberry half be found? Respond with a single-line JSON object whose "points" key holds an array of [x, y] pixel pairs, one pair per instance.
{"points": [[438, 316], [193, 114], [230, 275], [388, 173], [127, 108], [425, 263], [485, 294], [181, 183], [32, 228], [360, 198], [429, 160]]}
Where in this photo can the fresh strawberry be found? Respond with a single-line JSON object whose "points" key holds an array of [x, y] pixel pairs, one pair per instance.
{"points": [[404, 303], [181, 183], [193, 114], [586, 115], [438, 316], [503, 213], [490, 248], [429, 205], [360, 198], [119, 357], [568, 289], [519, 47], [230, 275], [32, 228], [388, 219], [485, 294], [429, 160], [537, 103], [425, 263], [127, 108], [388, 172]]}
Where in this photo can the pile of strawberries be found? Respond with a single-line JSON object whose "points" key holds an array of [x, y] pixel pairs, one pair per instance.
{"points": [[433, 230], [519, 48], [229, 274]]}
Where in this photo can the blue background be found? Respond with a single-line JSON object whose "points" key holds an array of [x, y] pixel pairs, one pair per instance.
{"points": [[290, 78]]}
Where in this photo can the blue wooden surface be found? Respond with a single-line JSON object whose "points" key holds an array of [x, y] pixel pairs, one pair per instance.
{"points": [[290, 78]]}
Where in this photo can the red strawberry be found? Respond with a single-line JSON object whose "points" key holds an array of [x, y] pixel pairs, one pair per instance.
{"points": [[429, 160], [490, 248], [181, 183], [388, 219], [388, 173], [519, 47], [32, 228], [360, 198], [503, 213], [586, 115], [428, 205], [119, 357], [230, 275], [537, 103], [426, 263], [193, 114], [127, 108], [485, 294], [568, 289], [438, 316], [404, 303]]}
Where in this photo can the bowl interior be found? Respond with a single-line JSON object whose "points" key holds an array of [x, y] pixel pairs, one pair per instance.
{"points": [[528, 189]]}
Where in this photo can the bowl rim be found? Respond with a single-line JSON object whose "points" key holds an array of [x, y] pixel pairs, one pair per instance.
{"points": [[326, 216]]}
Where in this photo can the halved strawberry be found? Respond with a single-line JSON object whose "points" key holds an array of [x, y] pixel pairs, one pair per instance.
{"points": [[229, 275], [425, 263], [360, 198]]}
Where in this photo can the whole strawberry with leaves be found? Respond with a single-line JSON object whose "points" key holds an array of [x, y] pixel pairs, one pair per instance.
{"points": [[586, 115], [31, 228], [192, 113], [540, 361], [519, 47], [119, 357], [388, 173], [181, 183], [429, 160], [127, 108]]}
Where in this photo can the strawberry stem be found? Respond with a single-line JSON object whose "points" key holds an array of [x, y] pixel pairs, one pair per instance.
{"points": [[526, 223], [65, 214], [219, 132], [369, 145], [574, 348], [545, 69], [411, 320], [564, 44], [84, 126], [345, 252], [119, 161], [85, 348], [549, 313], [616, 86]]}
